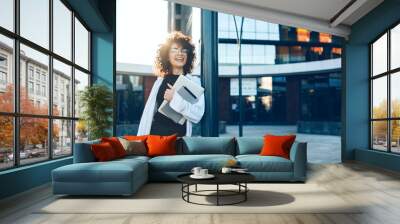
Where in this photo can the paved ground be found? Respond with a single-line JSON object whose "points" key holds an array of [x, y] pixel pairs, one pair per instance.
{"points": [[320, 148]]}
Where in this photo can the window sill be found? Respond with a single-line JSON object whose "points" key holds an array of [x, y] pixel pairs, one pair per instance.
{"points": [[30, 166]]}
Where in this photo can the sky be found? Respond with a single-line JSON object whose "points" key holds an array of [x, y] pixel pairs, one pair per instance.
{"points": [[142, 26]]}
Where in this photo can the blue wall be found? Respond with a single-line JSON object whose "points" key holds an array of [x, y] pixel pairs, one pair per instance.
{"points": [[103, 52], [24, 178], [100, 16], [102, 58], [356, 62]]}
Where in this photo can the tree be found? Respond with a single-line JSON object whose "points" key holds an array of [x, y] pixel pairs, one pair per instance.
{"points": [[6, 122], [379, 128], [96, 102], [33, 131]]}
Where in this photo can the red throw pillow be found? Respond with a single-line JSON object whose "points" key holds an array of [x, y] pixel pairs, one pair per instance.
{"points": [[103, 152], [116, 145], [136, 138], [161, 145], [277, 145]]}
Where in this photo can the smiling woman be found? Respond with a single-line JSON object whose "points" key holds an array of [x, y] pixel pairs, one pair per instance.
{"points": [[138, 43], [174, 58]]}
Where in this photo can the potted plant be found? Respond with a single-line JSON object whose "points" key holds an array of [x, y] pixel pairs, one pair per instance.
{"points": [[96, 103]]}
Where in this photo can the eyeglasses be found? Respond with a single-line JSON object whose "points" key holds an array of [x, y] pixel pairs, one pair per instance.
{"points": [[177, 50]]}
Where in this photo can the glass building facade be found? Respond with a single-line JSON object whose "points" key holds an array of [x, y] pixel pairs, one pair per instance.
{"points": [[275, 88], [291, 77]]}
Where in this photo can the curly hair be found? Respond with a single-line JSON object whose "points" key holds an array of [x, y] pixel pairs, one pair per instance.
{"points": [[162, 64]]}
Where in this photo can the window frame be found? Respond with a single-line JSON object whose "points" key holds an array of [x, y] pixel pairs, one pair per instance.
{"points": [[388, 74], [16, 115]]}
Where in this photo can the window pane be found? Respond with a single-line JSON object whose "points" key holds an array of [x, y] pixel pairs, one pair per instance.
{"points": [[130, 102], [81, 81], [395, 47], [395, 94], [379, 135], [228, 124], [81, 131], [6, 142], [33, 139], [379, 97], [62, 89], [62, 29], [81, 45], [34, 72], [395, 135], [35, 21], [6, 74], [62, 138], [379, 55], [7, 14]]}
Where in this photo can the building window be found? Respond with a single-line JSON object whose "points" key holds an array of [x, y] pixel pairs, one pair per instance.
{"points": [[43, 77], [3, 78], [30, 87], [44, 91], [3, 61], [303, 35], [30, 72], [385, 97], [34, 96], [37, 75], [38, 89], [325, 38]]}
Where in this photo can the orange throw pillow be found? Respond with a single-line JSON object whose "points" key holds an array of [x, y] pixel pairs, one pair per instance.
{"points": [[103, 152], [116, 145], [136, 138], [161, 145], [277, 145]]}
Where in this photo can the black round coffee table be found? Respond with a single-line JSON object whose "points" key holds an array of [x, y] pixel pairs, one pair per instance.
{"points": [[238, 179]]}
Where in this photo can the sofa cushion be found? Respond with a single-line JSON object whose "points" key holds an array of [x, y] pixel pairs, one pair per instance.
{"points": [[161, 145], [185, 163], [116, 145], [257, 163], [275, 145], [112, 171], [208, 145], [103, 152], [135, 147], [249, 145], [135, 138]]}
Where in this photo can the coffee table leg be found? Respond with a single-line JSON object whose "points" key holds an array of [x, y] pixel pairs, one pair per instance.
{"points": [[245, 193], [196, 188], [188, 189], [217, 194]]}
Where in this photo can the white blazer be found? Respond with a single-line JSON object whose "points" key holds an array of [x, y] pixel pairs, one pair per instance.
{"points": [[192, 112]]}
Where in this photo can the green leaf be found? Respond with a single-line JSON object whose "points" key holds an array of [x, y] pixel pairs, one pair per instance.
{"points": [[96, 102]]}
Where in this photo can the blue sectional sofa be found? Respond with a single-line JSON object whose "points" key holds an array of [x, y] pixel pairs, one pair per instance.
{"points": [[125, 176]]}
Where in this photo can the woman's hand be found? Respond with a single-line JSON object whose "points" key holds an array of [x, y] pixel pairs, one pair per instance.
{"points": [[169, 93]]}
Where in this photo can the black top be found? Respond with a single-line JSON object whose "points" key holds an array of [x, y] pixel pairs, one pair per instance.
{"points": [[162, 125], [220, 178]]}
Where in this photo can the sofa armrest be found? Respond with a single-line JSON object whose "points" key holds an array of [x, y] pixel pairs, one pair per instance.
{"points": [[83, 152], [298, 155]]}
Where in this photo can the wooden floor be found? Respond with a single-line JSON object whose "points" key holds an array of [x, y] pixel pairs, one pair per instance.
{"points": [[377, 188]]}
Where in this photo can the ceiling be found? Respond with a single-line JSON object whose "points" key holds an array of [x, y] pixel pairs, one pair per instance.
{"points": [[330, 16]]}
